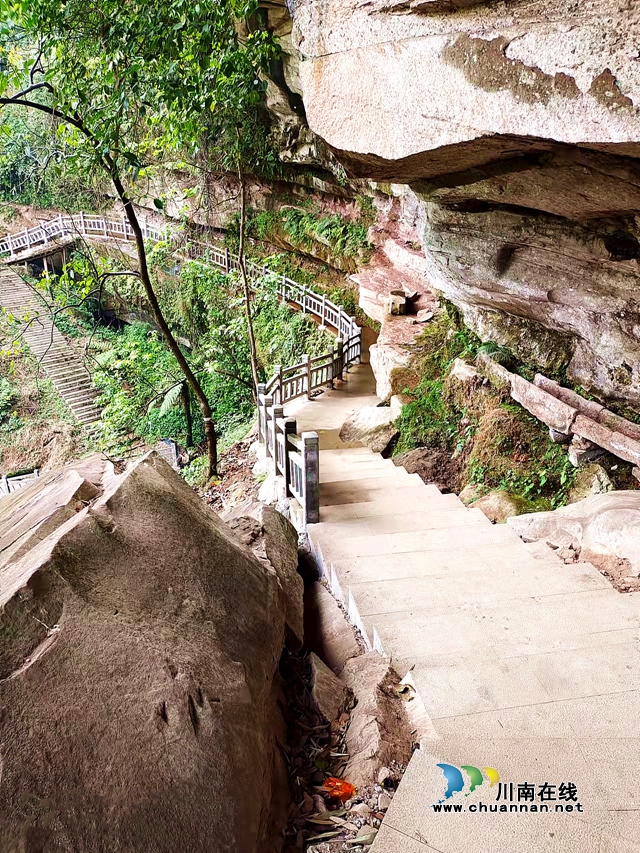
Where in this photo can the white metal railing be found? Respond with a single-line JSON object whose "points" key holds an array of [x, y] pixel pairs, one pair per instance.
{"points": [[328, 314], [82, 224], [295, 457], [12, 484]]}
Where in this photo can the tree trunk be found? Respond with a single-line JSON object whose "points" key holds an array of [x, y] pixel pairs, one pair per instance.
{"points": [[173, 345], [186, 402], [247, 290]]}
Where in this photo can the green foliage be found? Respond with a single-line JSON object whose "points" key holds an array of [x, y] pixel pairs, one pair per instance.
{"points": [[283, 336], [34, 168], [195, 473], [131, 84], [307, 230], [497, 443], [8, 396], [139, 380], [511, 451]]}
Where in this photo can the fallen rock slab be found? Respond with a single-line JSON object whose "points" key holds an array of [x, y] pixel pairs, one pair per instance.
{"points": [[330, 694], [605, 525], [379, 732], [373, 426], [140, 645]]}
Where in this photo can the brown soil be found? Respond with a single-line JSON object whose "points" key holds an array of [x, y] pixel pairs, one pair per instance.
{"points": [[236, 483], [616, 570], [432, 466]]}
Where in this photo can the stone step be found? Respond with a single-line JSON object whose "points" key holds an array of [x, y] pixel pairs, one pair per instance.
{"points": [[79, 396], [374, 482], [475, 588], [365, 472], [424, 500], [71, 374], [452, 539], [347, 451], [83, 405], [417, 519], [367, 496]]}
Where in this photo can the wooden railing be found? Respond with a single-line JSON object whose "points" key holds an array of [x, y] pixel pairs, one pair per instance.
{"points": [[294, 457]]}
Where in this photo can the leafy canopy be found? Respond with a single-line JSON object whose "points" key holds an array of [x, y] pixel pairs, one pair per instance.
{"points": [[140, 79]]}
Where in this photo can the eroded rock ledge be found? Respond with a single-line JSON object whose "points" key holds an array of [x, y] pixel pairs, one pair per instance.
{"points": [[510, 133]]}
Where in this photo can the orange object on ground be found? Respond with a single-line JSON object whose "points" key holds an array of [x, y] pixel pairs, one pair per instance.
{"points": [[339, 789]]}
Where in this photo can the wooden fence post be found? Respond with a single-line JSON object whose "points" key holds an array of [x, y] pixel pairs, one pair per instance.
{"points": [[83, 229], [311, 469], [290, 428], [227, 263], [322, 309]]}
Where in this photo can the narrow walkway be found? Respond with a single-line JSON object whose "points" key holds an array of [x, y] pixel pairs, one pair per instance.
{"points": [[524, 664], [60, 362]]}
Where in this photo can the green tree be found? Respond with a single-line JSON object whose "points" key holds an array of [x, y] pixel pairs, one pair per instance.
{"points": [[128, 83]]}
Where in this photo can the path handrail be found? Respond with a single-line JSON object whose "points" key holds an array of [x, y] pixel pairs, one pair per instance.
{"points": [[295, 458]]}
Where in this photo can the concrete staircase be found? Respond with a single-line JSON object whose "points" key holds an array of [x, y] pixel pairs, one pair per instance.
{"points": [[522, 663], [60, 362]]}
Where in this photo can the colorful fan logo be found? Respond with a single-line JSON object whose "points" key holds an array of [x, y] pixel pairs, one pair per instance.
{"points": [[455, 779]]}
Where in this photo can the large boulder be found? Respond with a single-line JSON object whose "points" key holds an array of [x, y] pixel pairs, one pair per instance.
{"points": [[140, 645], [274, 540], [606, 525], [371, 425]]}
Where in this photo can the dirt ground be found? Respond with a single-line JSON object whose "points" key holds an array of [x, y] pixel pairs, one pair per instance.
{"points": [[236, 483]]}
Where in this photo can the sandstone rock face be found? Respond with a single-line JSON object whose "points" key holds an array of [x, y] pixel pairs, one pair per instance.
{"points": [[600, 525], [372, 425], [511, 133], [140, 640], [435, 88], [274, 541]]}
